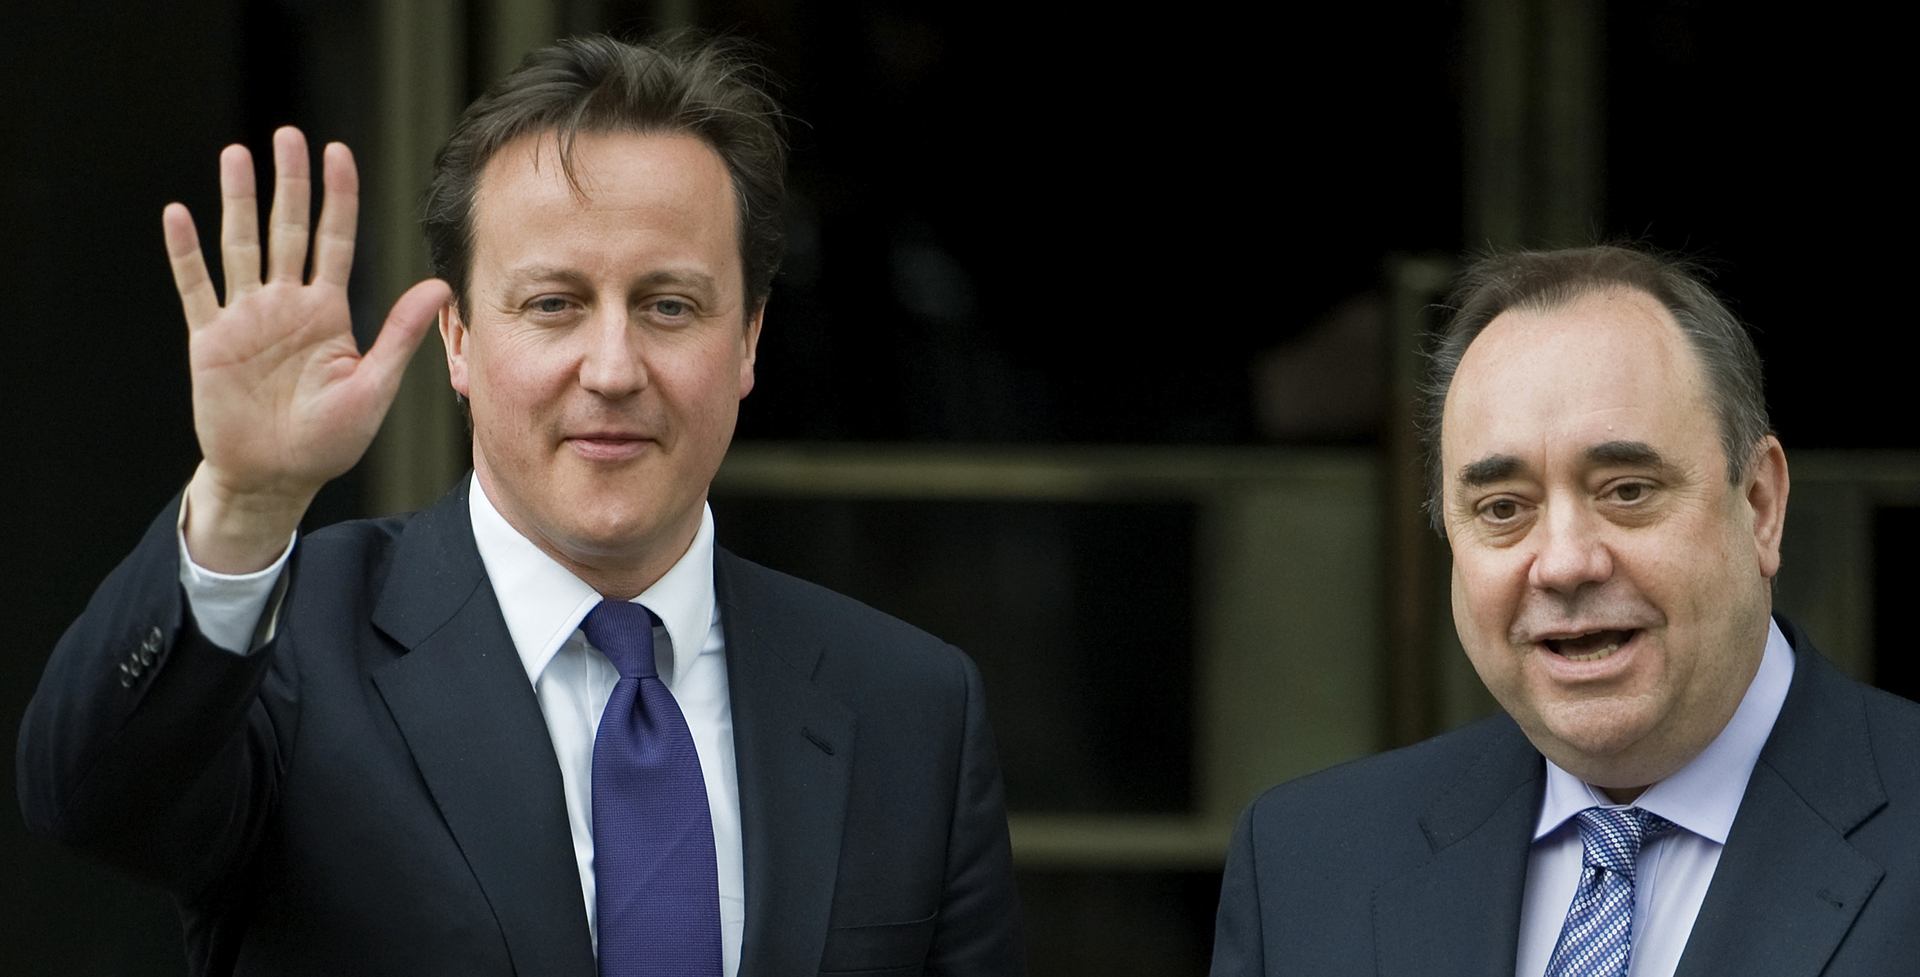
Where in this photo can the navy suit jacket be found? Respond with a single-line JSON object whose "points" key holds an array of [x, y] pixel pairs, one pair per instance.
{"points": [[375, 792], [1412, 862]]}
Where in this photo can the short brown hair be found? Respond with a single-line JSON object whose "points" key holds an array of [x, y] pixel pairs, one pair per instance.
{"points": [[702, 87], [1544, 280]]}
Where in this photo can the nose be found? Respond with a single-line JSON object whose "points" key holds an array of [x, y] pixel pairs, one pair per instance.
{"points": [[1571, 551], [613, 363]]}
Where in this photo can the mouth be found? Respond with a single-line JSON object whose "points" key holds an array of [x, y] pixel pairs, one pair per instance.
{"points": [[608, 445], [1588, 646]]}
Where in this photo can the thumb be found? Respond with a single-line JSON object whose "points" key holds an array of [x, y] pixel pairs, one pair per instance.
{"points": [[407, 324]]}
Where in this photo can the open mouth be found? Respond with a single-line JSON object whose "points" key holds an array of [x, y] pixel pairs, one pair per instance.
{"points": [[1592, 646]]}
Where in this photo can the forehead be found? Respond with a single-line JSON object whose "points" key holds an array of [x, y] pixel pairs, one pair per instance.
{"points": [[1610, 365], [615, 186]]}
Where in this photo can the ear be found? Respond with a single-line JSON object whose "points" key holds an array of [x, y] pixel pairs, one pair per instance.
{"points": [[750, 349], [453, 335], [1766, 496]]}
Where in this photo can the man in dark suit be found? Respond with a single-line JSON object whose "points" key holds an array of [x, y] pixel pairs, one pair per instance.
{"points": [[1680, 784], [545, 726]]}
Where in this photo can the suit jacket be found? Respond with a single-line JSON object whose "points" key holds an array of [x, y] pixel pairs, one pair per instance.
{"points": [[374, 792], [1412, 862]]}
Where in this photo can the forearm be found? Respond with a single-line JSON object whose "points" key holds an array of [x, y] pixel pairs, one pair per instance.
{"points": [[144, 743]]}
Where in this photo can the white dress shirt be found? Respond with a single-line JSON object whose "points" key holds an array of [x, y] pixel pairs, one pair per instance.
{"points": [[543, 605], [1675, 868]]}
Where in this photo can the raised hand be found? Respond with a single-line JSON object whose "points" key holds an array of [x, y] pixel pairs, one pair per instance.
{"points": [[283, 399]]}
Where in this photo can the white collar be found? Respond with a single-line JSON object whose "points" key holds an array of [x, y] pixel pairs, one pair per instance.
{"points": [[543, 603], [1704, 795]]}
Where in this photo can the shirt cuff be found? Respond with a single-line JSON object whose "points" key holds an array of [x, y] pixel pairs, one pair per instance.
{"points": [[237, 612]]}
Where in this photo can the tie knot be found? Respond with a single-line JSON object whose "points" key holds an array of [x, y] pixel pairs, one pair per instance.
{"points": [[1613, 835], [623, 631]]}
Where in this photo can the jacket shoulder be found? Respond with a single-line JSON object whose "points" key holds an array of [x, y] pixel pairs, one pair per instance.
{"points": [[806, 608], [1364, 802], [836, 639]]}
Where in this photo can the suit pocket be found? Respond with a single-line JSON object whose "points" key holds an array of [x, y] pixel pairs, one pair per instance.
{"points": [[878, 950]]}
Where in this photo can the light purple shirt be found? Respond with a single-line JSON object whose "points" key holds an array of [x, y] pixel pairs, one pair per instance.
{"points": [[1674, 869]]}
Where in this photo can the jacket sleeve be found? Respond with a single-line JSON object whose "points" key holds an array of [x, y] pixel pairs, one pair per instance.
{"points": [[979, 930], [145, 744]]}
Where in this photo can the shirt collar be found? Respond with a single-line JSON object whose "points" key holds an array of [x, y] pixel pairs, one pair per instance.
{"points": [[543, 603], [1704, 795]]}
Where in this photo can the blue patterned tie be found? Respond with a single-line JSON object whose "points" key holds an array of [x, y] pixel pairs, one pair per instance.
{"points": [[1597, 940], [657, 887]]}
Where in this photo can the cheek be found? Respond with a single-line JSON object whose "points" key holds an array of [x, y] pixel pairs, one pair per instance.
{"points": [[706, 384], [513, 405], [1485, 598], [520, 374], [1476, 620]]}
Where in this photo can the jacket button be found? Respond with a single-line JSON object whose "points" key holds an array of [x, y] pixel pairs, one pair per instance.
{"points": [[152, 641]]}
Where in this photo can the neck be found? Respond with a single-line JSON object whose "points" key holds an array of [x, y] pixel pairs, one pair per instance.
{"points": [[1621, 795], [616, 572]]}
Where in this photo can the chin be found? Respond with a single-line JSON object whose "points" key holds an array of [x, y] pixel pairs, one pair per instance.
{"points": [[608, 538], [1593, 736]]}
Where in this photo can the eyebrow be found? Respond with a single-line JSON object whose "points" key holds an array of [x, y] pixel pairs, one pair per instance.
{"points": [[1499, 468], [685, 279], [1492, 468], [542, 273], [1635, 454]]}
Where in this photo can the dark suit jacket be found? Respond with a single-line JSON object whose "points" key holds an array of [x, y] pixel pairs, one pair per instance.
{"points": [[375, 791], [1412, 862]]}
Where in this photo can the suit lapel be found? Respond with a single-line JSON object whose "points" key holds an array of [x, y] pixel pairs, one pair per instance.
{"points": [[794, 746], [462, 701], [1459, 914], [1789, 885]]}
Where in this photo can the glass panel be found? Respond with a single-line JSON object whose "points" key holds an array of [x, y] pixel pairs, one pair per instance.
{"points": [[1080, 615]]}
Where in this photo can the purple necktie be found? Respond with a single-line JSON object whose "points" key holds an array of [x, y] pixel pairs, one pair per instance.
{"points": [[656, 883]]}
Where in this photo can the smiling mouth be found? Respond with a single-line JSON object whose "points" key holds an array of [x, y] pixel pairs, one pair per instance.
{"points": [[1592, 646], [610, 448]]}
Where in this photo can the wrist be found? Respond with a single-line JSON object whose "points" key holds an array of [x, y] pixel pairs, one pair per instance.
{"points": [[236, 531]]}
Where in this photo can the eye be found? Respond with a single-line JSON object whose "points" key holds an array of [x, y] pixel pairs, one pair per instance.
{"points": [[1500, 511], [672, 308], [548, 305], [1630, 492]]}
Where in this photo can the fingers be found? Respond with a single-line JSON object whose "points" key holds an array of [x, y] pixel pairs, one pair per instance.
{"points": [[292, 196], [339, 212], [239, 222], [287, 229], [413, 313], [190, 276]]}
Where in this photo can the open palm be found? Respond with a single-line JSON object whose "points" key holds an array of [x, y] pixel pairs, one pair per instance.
{"points": [[283, 399]]}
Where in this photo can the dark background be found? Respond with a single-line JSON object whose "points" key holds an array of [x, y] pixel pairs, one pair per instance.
{"points": [[1030, 227]]}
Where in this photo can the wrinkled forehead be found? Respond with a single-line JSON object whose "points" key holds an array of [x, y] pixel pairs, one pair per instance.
{"points": [[1607, 365]]}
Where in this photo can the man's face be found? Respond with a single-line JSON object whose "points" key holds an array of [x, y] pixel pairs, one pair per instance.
{"points": [[607, 346], [1609, 585]]}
